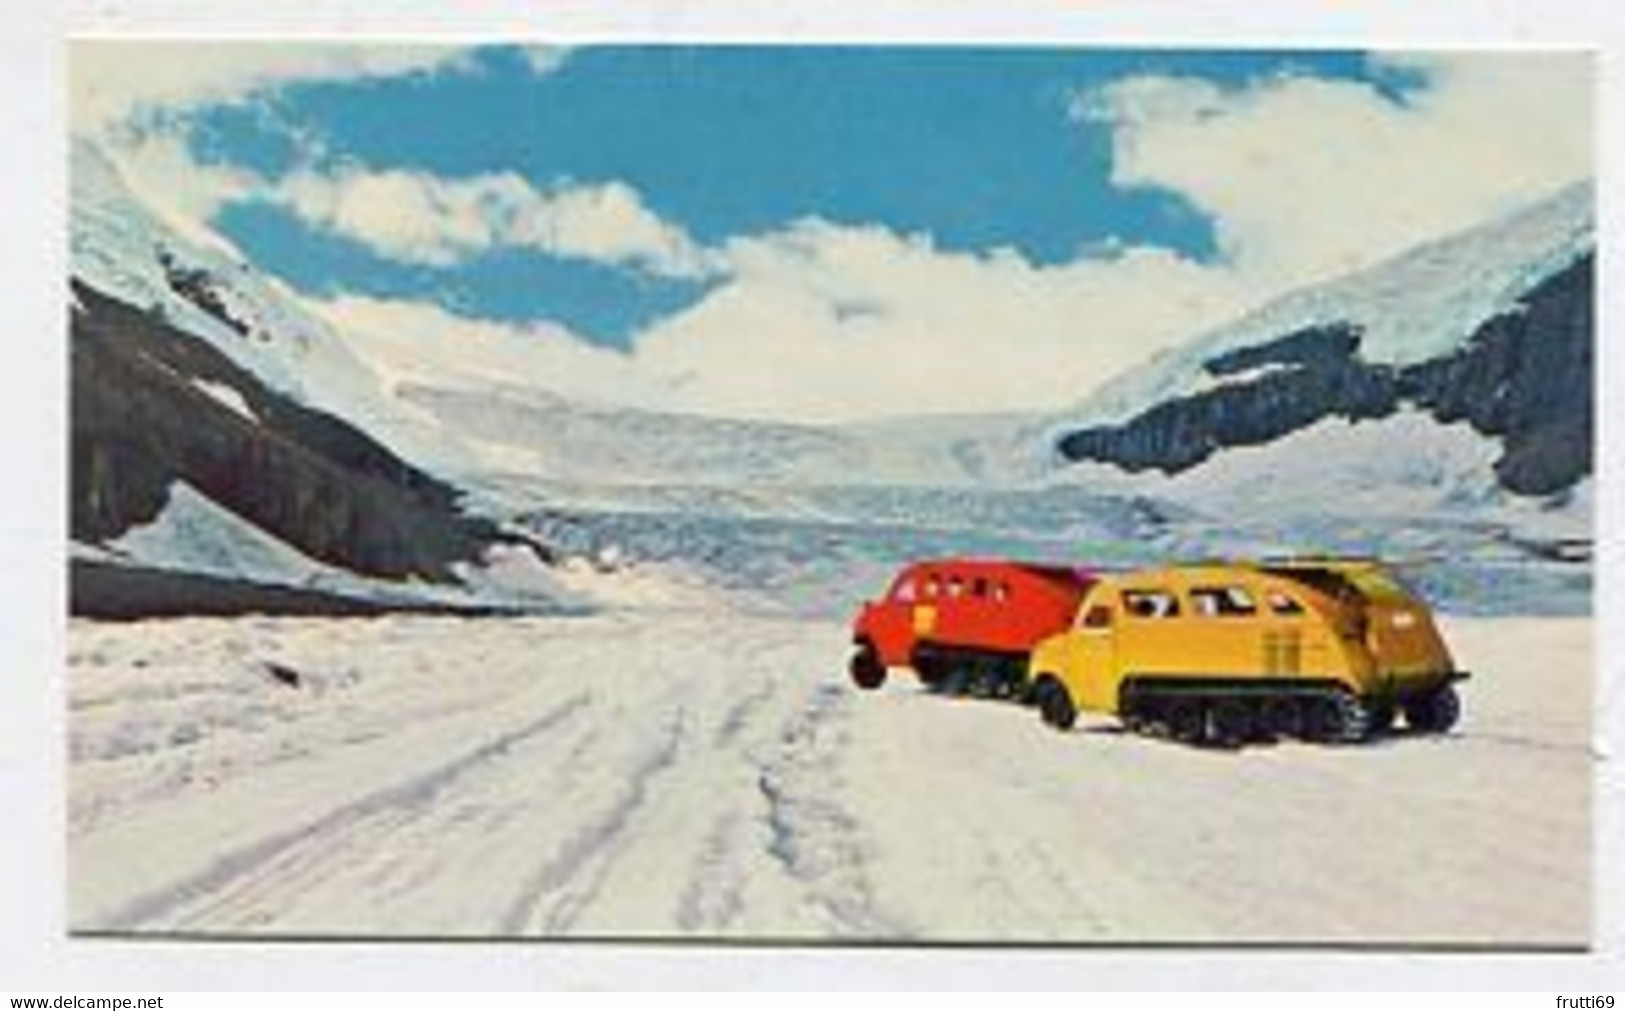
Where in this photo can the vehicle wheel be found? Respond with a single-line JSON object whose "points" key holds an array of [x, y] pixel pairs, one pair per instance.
{"points": [[956, 678], [931, 667], [1435, 712], [1039, 695], [1282, 716], [1321, 719], [1356, 719], [1009, 681], [1022, 692], [868, 672], [1344, 718], [1230, 722], [1187, 720], [981, 679], [1054, 704]]}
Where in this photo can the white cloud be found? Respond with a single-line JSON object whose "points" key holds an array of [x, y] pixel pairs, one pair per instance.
{"points": [[825, 323], [821, 323], [1306, 177], [131, 97], [408, 341], [113, 81], [419, 217]]}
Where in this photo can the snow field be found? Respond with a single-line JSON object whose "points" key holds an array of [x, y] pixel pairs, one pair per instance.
{"points": [[706, 774]]}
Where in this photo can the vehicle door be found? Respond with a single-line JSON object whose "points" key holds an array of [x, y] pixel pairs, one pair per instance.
{"points": [[1090, 666], [891, 623], [1152, 631]]}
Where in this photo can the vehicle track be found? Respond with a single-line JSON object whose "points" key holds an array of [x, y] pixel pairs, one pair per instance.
{"points": [[555, 894], [171, 905]]}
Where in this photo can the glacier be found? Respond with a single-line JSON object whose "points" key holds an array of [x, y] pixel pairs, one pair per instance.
{"points": [[678, 755]]}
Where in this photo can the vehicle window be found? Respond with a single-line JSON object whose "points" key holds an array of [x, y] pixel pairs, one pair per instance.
{"points": [[956, 586], [933, 587], [1328, 581], [905, 591], [1384, 585], [1281, 603], [979, 587], [1223, 602], [1098, 616], [1150, 603], [1001, 592]]}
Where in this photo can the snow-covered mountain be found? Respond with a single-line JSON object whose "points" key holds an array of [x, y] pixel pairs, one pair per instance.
{"points": [[220, 432], [1487, 334], [512, 431], [1440, 400], [121, 248]]}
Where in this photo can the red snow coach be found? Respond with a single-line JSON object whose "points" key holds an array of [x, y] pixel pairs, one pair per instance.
{"points": [[965, 625]]}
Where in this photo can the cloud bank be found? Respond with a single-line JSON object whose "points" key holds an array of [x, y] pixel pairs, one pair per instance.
{"points": [[1303, 178], [113, 82], [416, 217]]}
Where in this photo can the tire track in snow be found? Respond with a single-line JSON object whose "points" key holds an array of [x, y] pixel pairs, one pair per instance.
{"points": [[415, 793], [547, 903], [715, 894], [397, 856], [740, 714], [714, 898], [811, 835]]}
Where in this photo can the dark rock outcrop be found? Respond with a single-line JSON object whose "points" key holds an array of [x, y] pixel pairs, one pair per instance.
{"points": [[1307, 347], [1527, 378], [127, 593], [200, 288], [141, 421], [1524, 377]]}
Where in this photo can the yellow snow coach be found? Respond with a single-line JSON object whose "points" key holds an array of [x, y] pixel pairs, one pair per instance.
{"points": [[1316, 649]]}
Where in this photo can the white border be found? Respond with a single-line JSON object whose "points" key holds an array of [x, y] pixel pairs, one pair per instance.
{"points": [[33, 949]]}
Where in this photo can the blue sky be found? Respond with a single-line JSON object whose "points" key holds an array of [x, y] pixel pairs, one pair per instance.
{"points": [[819, 233], [978, 149]]}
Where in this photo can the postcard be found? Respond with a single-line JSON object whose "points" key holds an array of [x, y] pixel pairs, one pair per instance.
{"points": [[831, 494]]}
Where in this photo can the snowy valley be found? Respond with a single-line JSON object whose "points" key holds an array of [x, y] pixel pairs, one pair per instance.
{"points": [[625, 713], [701, 774]]}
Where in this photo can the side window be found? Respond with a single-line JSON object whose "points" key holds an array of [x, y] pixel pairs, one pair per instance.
{"points": [[979, 587], [1282, 603], [905, 591], [1001, 592], [1098, 616], [1150, 603], [933, 586], [1223, 602], [956, 587]]}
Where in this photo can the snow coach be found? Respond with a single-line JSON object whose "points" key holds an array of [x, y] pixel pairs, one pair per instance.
{"points": [[965, 626], [1329, 650]]}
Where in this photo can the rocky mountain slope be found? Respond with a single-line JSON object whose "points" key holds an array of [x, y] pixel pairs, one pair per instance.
{"points": [[1493, 328], [153, 406]]}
